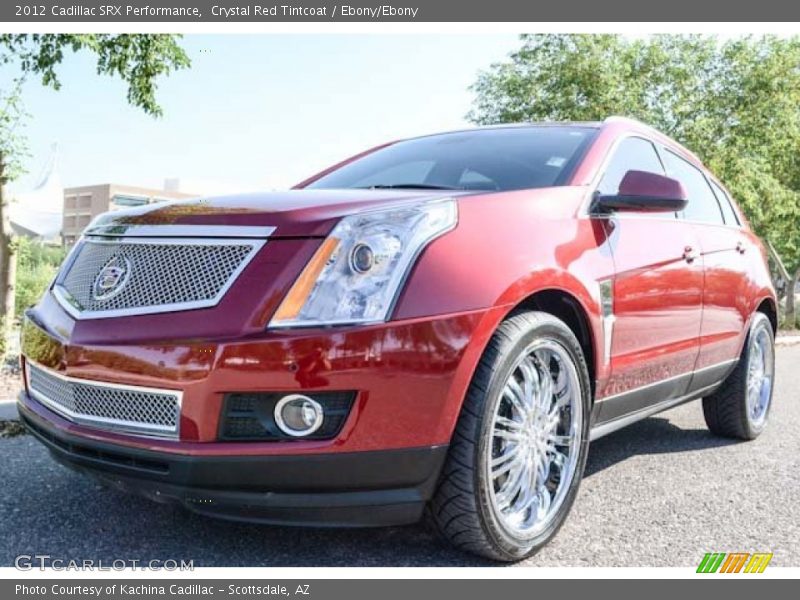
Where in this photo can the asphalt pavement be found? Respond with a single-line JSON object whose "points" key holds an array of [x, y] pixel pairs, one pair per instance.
{"points": [[662, 492]]}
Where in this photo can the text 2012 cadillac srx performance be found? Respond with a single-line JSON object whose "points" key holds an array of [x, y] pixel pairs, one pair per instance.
{"points": [[438, 325]]}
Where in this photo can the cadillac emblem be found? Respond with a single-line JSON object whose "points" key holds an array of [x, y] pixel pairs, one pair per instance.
{"points": [[112, 278]]}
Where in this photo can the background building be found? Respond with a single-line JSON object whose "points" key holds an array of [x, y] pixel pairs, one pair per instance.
{"points": [[82, 204]]}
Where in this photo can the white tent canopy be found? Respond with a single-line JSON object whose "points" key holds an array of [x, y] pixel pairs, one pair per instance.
{"points": [[38, 212]]}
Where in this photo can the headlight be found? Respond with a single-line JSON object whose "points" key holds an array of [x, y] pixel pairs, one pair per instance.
{"points": [[357, 272]]}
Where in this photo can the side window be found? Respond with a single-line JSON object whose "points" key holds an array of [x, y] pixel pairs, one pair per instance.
{"points": [[703, 205], [632, 154], [725, 203]]}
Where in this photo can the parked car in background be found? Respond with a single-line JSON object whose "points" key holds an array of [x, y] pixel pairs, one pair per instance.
{"points": [[440, 323]]}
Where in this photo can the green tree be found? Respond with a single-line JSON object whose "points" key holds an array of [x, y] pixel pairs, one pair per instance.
{"points": [[12, 154], [735, 103], [139, 60]]}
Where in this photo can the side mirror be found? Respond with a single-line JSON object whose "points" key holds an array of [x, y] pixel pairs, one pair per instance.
{"points": [[640, 191]]}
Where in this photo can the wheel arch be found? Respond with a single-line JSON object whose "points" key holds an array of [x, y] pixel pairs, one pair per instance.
{"points": [[569, 309], [553, 291], [769, 308]]}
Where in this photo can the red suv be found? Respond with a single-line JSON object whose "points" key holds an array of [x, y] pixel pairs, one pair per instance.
{"points": [[440, 323]]}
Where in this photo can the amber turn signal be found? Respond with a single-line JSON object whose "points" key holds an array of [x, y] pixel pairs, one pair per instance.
{"points": [[297, 296]]}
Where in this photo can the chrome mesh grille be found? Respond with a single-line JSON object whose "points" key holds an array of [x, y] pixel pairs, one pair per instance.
{"points": [[128, 408], [159, 275]]}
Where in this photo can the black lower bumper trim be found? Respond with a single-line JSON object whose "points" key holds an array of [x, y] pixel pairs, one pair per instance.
{"points": [[336, 489]]}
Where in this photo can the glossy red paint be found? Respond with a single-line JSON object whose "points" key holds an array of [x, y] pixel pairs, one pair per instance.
{"points": [[293, 214], [657, 302], [243, 311], [640, 183], [516, 244], [426, 355], [411, 373]]}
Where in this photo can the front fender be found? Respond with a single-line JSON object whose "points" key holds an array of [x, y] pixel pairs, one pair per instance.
{"points": [[506, 248]]}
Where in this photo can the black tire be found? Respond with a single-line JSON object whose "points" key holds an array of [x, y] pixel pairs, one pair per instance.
{"points": [[460, 509], [726, 410]]}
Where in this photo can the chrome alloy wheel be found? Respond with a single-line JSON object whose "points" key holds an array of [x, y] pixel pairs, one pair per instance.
{"points": [[760, 371], [536, 435]]}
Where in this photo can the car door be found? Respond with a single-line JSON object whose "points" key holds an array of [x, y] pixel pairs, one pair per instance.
{"points": [[656, 302], [725, 290]]}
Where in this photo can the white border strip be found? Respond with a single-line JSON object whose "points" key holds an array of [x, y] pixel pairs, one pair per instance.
{"points": [[311, 573], [636, 29]]}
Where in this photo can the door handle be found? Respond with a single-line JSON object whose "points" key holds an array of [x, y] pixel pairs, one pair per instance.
{"points": [[689, 255], [741, 248]]}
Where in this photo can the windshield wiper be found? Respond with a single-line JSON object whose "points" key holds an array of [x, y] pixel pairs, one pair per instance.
{"points": [[408, 186]]}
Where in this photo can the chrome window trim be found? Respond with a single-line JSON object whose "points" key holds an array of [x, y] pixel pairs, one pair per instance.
{"points": [[69, 304], [652, 217], [179, 231], [105, 423], [724, 363]]}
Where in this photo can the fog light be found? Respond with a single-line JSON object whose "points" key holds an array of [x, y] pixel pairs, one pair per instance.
{"points": [[298, 415]]}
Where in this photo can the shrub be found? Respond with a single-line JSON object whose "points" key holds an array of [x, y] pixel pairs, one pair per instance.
{"points": [[36, 266]]}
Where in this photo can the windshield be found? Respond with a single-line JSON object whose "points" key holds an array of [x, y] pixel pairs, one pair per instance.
{"points": [[512, 158]]}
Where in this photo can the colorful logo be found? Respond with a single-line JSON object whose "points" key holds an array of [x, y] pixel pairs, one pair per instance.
{"points": [[734, 562]]}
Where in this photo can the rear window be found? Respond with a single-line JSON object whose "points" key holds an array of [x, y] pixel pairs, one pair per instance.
{"points": [[488, 159]]}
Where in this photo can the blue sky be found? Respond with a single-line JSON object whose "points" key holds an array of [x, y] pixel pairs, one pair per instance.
{"points": [[257, 111]]}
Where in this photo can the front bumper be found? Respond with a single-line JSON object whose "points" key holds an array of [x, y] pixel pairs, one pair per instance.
{"points": [[387, 487], [409, 378]]}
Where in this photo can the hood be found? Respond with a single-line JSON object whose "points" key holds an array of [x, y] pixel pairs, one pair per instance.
{"points": [[295, 213]]}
